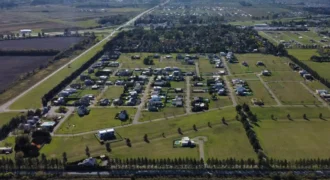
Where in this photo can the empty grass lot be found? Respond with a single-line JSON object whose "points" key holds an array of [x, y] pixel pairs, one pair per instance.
{"points": [[259, 92], [272, 63], [32, 99], [293, 140], [283, 76], [99, 118], [161, 62], [296, 113], [303, 54], [113, 92], [164, 113], [6, 117], [292, 93]]}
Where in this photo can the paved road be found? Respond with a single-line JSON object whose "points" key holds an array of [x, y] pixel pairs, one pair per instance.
{"points": [[107, 38], [231, 91], [143, 101], [226, 65], [200, 141], [188, 99], [317, 97], [279, 103], [197, 69], [66, 116]]}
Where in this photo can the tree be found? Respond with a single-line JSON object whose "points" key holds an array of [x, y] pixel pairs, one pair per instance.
{"points": [[238, 108], [145, 137], [288, 116], [305, 116], [321, 116], [128, 142], [87, 151], [19, 159], [209, 124], [107, 147], [194, 127], [64, 158], [179, 131]]}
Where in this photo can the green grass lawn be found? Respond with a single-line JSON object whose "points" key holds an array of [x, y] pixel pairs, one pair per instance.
{"points": [[99, 118], [223, 141], [303, 54], [272, 63], [164, 113], [283, 76], [113, 92], [314, 85], [259, 92], [291, 93], [280, 113], [33, 98], [294, 139], [244, 77], [205, 67], [6, 117]]}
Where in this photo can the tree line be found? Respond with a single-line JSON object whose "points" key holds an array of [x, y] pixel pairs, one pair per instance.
{"points": [[247, 118]]}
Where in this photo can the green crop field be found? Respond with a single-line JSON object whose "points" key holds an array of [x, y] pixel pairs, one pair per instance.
{"points": [[99, 118], [259, 92], [33, 98], [292, 93], [294, 139]]}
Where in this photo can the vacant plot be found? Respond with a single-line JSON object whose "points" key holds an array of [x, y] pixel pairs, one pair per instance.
{"points": [[99, 118], [13, 67], [259, 92], [161, 62], [292, 93], [6, 117], [303, 54], [59, 43], [296, 113], [294, 140], [164, 113], [283, 76], [113, 92], [271, 63], [314, 85]]}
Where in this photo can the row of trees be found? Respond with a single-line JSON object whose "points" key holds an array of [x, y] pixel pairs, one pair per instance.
{"points": [[246, 117]]}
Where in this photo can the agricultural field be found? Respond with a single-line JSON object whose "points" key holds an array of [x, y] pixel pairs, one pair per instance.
{"points": [[13, 67], [303, 54], [97, 119], [32, 98], [296, 139], [292, 93], [57, 43]]}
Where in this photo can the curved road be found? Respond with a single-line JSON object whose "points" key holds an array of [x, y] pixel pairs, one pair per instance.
{"points": [[7, 104]]}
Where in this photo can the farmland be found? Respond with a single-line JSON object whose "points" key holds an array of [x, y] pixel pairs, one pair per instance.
{"points": [[58, 43], [12, 67]]}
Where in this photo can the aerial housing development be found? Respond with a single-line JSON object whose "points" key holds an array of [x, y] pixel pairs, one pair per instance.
{"points": [[165, 89]]}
